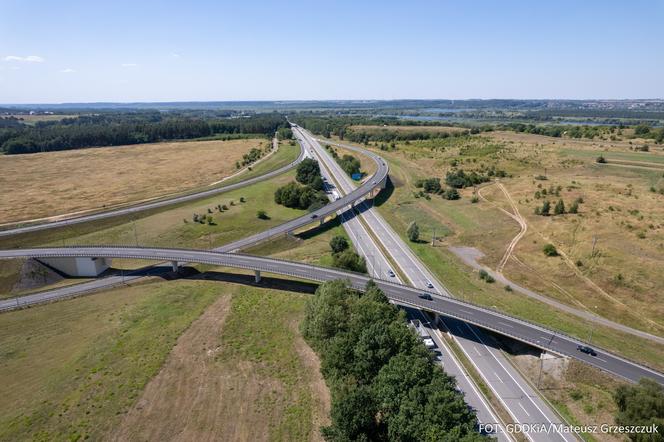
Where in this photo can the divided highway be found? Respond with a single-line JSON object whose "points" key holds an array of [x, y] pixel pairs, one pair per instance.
{"points": [[520, 400], [501, 323]]}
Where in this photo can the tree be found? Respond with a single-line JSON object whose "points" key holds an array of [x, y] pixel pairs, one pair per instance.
{"points": [[307, 171], [338, 244], [262, 214], [641, 404], [574, 208], [560, 208], [413, 232], [546, 208], [350, 260], [550, 250]]}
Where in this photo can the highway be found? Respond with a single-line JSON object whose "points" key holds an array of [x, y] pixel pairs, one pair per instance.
{"points": [[485, 318], [522, 403], [379, 267], [149, 205]]}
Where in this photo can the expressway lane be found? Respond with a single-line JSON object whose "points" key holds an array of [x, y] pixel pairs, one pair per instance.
{"points": [[523, 404], [401, 294], [369, 249], [150, 205]]}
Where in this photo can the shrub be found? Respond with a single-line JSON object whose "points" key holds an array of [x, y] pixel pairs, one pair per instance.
{"points": [[560, 208], [338, 244], [262, 214], [474, 199], [550, 250], [600, 159], [508, 288], [413, 232], [451, 194]]}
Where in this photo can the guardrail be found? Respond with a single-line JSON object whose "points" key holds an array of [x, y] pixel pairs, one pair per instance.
{"points": [[311, 272]]}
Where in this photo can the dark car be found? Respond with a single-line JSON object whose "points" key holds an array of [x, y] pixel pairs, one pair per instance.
{"points": [[314, 216], [587, 350], [425, 296]]}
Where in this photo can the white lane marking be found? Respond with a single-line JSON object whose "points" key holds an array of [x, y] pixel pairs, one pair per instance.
{"points": [[524, 410], [477, 351], [466, 311], [498, 377], [505, 324]]}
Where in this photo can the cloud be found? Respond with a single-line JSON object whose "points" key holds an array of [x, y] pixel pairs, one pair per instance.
{"points": [[27, 59], [128, 65], [175, 55], [67, 71]]}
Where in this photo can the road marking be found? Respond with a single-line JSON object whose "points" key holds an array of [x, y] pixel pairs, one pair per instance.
{"points": [[505, 324], [524, 410], [477, 351], [498, 377], [466, 311]]}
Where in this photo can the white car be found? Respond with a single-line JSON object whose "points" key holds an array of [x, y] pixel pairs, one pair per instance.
{"points": [[429, 285], [428, 342], [391, 273]]}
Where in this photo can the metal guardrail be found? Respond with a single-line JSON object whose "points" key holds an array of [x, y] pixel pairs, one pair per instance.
{"points": [[311, 272]]}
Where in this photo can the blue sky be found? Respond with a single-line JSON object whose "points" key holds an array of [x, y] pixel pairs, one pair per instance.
{"points": [[83, 51]]}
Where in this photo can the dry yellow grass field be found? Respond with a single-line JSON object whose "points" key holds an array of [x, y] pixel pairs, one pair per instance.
{"points": [[621, 214], [436, 129], [59, 183]]}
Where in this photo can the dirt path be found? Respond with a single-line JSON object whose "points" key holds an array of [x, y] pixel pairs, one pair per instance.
{"points": [[183, 401]]}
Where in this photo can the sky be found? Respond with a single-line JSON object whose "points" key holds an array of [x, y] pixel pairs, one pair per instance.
{"points": [[128, 51]]}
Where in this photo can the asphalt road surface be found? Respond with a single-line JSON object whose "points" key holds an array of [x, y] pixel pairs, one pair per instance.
{"points": [[498, 322]]}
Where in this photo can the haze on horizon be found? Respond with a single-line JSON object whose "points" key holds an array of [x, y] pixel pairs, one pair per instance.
{"points": [[121, 51]]}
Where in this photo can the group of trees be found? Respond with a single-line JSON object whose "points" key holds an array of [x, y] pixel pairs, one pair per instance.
{"points": [[641, 404], [253, 155], [121, 128], [383, 381], [308, 173], [459, 179], [296, 196], [432, 185], [306, 195], [559, 208]]}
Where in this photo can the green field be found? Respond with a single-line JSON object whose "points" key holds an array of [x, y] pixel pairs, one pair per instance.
{"points": [[73, 370], [69, 369]]}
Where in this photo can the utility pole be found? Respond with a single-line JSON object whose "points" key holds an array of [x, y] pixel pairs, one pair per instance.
{"points": [[433, 238], [539, 378]]}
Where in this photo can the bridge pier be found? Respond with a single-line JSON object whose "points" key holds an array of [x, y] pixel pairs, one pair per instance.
{"points": [[175, 266], [78, 267], [257, 276]]}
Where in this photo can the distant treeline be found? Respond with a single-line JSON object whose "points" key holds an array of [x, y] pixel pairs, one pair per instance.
{"points": [[115, 129]]}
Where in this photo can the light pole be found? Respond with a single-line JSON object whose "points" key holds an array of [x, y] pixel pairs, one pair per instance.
{"points": [[592, 329]]}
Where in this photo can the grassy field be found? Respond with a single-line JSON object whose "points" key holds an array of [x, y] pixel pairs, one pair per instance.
{"points": [[370, 129], [481, 225], [89, 367], [74, 181]]}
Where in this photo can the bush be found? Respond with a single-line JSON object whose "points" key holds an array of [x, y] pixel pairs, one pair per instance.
{"points": [[307, 172], [600, 159], [262, 214], [298, 197], [338, 244], [560, 208], [349, 260], [508, 288], [550, 250], [474, 199], [640, 404], [451, 194]]}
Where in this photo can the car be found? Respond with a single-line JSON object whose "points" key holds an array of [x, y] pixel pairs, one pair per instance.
{"points": [[429, 285], [587, 350], [428, 342], [438, 356], [425, 296], [314, 216], [391, 274]]}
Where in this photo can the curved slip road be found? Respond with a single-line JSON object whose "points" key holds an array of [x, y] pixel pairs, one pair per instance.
{"points": [[150, 205], [450, 307]]}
